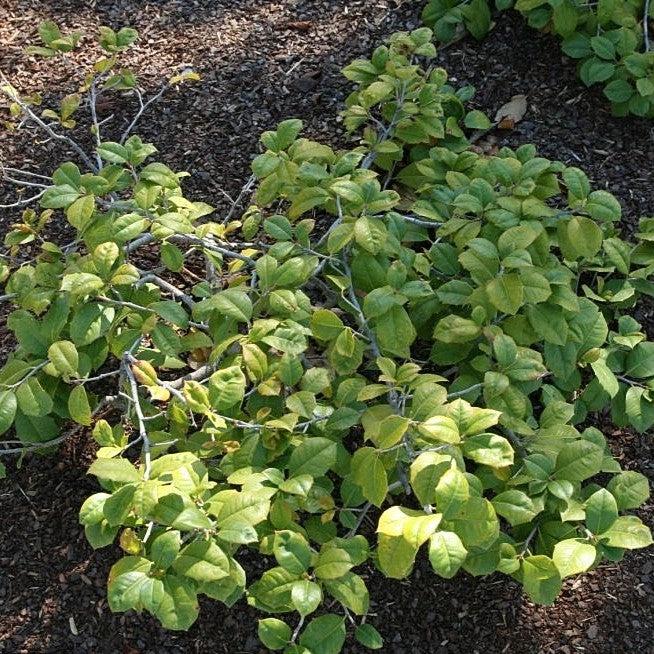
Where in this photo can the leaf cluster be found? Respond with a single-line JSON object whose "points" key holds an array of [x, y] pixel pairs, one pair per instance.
{"points": [[417, 375]]}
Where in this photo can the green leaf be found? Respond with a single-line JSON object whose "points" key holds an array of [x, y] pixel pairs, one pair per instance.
{"points": [[506, 293], [489, 449], [226, 388], [312, 457], [578, 460], [80, 211], [476, 524], [602, 47], [33, 399], [573, 556], [369, 473], [629, 533], [440, 428], [81, 284], [541, 579], [165, 548], [234, 508], [618, 90], [446, 553], [640, 361], [332, 563], [370, 234], [452, 492], [471, 420], [395, 331], [455, 329], [401, 532], [324, 635], [595, 70], [306, 199], [49, 31], [64, 357], [608, 381], [516, 506], [179, 607], [273, 633], [59, 197], [117, 470], [230, 302], [78, 406], [350, 590], [113, 152], [425, 472], [171, 311], [8, 406], [601, 511], [306, 596], [130, 586], [579, 237], [292, 551], [619, 253], [202, 560], [630, 489], [368, 636], [326, 325], [179, 511], [477, 120], [389, 431]]}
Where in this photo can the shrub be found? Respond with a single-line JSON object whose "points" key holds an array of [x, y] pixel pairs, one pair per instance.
{"points": [[611, 40], [406, 330]]}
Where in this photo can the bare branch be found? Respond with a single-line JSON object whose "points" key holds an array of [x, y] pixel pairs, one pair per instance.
{"points": [[32, 447], [142, 107], [646, 25], [23, 203], [235, 203], [27, 111], [93, 104]]}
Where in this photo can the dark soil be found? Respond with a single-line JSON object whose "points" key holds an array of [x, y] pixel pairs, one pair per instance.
{"points": [[262, 62]]}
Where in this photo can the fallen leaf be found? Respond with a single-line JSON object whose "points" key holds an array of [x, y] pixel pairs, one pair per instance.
{"points": [[73, 626], [301, 25], [512, 112]]}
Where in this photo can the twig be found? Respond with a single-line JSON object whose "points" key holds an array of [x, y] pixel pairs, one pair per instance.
{"points": [[143, 433], [235, 203], [168, 287], [23, 203], [23, 182], [298, 628], [529, 538], [18, 171], [93, 99], [142, 107], [366, 508], [33, 371], [44, 126], [465, 391], [32, 447], [646, 25]]}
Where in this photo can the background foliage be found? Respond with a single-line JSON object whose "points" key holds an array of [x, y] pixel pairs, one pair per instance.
{"points": [[610, 38]]}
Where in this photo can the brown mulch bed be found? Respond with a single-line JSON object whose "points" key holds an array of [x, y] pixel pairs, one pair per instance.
{"points": [[262, 61]]}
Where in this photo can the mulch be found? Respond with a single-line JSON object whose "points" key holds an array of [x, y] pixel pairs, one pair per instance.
{"points": [[261, 62]]}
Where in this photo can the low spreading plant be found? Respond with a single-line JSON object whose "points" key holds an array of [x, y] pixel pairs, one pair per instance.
{"points": [[611, 40], [397, 347]]}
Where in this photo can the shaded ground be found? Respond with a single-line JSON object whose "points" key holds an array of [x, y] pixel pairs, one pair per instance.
{"points": [[262, 62]]}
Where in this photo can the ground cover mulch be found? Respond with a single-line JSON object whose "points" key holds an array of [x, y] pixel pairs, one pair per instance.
{"points": [[261, 62]]}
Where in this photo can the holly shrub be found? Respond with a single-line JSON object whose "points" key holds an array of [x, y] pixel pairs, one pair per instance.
{"points": [[610, 38], [398, 347]]}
